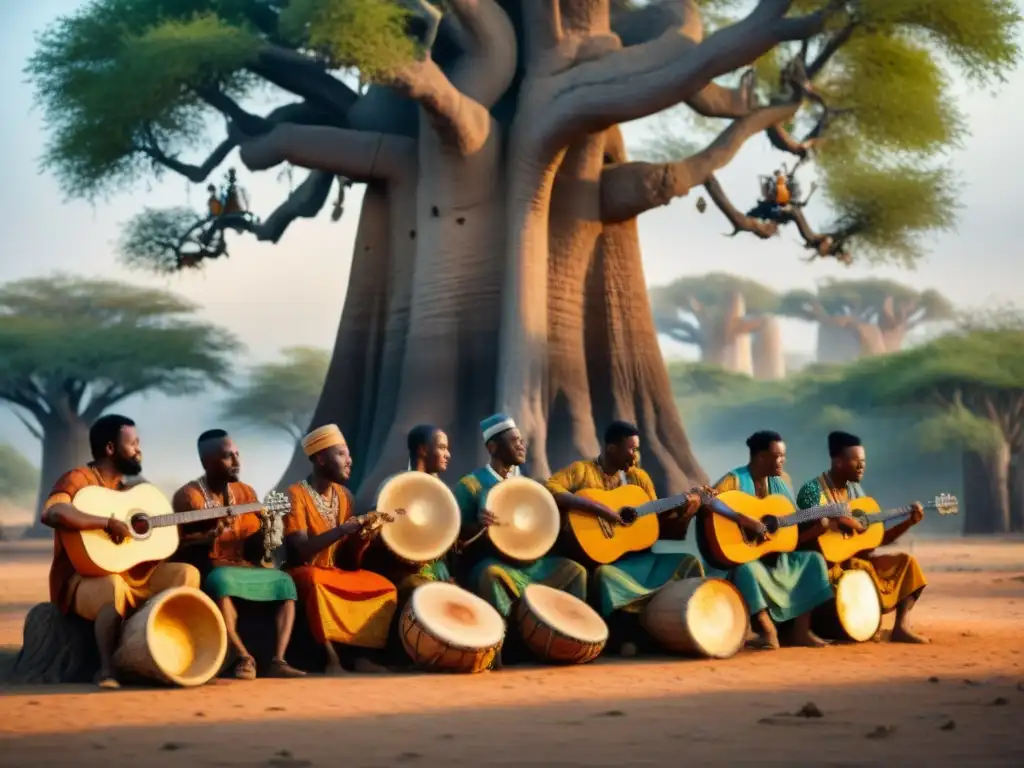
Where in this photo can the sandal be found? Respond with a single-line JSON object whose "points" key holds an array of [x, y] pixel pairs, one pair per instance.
{"points": [[245, 668]]}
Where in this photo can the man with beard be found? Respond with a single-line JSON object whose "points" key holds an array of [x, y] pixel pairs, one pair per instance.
{"points": [[232, 575], [624, 587], [344, 603], [898, 576], [499, 582], [104, 600]]}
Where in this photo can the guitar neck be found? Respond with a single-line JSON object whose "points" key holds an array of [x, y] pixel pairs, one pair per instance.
{"points": [[658, 506], [199, 515], [811, 514]]}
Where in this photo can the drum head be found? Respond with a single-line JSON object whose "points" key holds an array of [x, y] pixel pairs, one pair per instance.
{"points": [[858, 605], [528, 518], [566, 613], [716, 616], [431, 521], [457, 617]]}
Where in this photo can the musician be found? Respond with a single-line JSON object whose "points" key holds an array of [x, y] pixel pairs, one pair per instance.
{"points": [[104, 600], [232, 573], [781, 587], [351, 607], [898, 576], [497, 581], [624, 587]]}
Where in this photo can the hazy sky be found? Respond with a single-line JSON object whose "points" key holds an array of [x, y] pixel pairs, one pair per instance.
{"points": [[292, 293]]}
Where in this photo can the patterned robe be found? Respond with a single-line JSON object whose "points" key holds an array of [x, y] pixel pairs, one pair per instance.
{"points": [[629, 583], [897, 575], [786, 585], [497, 581]]}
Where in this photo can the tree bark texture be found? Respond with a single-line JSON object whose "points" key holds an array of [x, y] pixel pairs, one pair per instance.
{"points": [[987, 491], [769, 360], [1017, 493], [498, 266], [65, 445]]}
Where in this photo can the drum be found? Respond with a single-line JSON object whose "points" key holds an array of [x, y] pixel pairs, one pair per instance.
{"points": [[430, 525], [444, 628], [176, 638], [698, 617], [528, 519], [558, 627], [856, 613]]}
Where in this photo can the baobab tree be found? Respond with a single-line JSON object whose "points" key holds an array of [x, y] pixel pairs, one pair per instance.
{"points": [[861, 318], [718, 313], [497, 262]]}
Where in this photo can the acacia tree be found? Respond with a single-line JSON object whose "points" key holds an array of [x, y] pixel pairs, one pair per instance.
{"points": [[969, 390], [859, 318], [281, 396], [497, 261], [716, 312], [71, 348]]}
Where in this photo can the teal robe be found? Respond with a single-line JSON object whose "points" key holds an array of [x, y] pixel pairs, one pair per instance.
{"points": [[498, 581]]}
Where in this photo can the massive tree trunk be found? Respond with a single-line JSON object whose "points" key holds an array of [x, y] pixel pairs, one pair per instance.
{"points": [[65, 445], [1017, 493], [987, 491], [836, 346], [769, 360]]}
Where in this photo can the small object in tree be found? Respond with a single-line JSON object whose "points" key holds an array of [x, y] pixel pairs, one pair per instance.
{"points": [[702, 204]]}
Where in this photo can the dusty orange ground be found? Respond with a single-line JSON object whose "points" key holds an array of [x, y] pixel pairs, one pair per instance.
{"points": [[957, 702]]}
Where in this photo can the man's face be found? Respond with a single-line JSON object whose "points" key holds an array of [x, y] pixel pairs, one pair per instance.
{"points": [[852, 463], [773, 460], [437, 453], [509, 448], [222, 461], [127, 452], [624, 454], [336, 463]]}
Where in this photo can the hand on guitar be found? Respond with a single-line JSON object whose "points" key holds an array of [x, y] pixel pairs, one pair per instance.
{"points": [[755, 528], [117, 530], [916, 513], [350, 526], [850, 524]]}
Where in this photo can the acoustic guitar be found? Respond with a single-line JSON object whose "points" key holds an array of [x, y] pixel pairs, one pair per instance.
{"points": [[839, 546], [605, 542], [153, 524], [730, 544]]}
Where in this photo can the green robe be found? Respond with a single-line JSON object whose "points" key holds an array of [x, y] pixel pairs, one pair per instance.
{"points": [[498, 581]]}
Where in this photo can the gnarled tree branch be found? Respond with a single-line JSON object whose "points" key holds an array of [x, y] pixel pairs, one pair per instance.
{"points": [[629, 189], [301, 75], [304, 202], [739, 220], [486, 69]]}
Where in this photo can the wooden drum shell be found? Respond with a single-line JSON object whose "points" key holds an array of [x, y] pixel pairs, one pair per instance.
{"points": [[431, 653], [668, 616], [552, 644]]}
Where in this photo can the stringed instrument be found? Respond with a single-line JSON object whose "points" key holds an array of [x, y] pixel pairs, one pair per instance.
{"points": [[153, 524], [605, 542], [730, 544], [840, 545]]}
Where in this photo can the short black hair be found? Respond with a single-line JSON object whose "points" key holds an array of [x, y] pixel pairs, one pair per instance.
{"points": [[840, 441], [208, 436], [420, 436], [761, 441], [104, 431], [618, 431]]}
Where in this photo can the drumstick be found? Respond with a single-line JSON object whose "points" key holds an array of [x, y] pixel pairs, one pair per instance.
{"points": [[477, 535]]}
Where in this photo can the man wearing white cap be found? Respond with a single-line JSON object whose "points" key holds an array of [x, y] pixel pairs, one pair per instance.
{"points": [[497, 581]]}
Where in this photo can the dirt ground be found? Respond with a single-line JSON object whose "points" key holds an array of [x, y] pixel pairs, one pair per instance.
{"points": [[959, 701]]}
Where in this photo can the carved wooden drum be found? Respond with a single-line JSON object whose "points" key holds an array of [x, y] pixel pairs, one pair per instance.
{"points": [[558, 627], [698, 617], [444, 628], [528, 519], [855, 614], [177, 638]]}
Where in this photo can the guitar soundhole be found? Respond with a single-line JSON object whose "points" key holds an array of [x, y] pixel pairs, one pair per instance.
{"points": [[140, 525], [628, 516]]}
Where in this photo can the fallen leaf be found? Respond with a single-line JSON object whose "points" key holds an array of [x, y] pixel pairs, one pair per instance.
{"points": [[933, 679], [810, 709], [949, 725], [881, 732], [999, 702], [171, 746]]}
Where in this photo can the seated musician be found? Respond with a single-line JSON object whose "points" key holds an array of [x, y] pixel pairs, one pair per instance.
{"points": [[781, 587], [782, 194], [350, 607], [104, 600], [230, 544], [898, 576], [624, 587], [500, 583]]}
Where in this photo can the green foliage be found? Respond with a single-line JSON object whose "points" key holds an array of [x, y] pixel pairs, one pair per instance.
{"points": [[119, 76], [956, 426], [368, 35], [882, 163], [281, 396], [81, 344], [151, 240], [714, 291], [19, 478], [694, 379]]}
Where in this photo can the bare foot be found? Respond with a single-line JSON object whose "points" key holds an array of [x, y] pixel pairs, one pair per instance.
{"points": [[364, 665], [281, 668], [106, 681], [628, 650], [769, 641], [904, 635], [808, 639], [245, 668]]}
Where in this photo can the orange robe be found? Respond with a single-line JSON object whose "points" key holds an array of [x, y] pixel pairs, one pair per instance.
{"points": [[229, 547], [86, 596], [351, 607]]}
